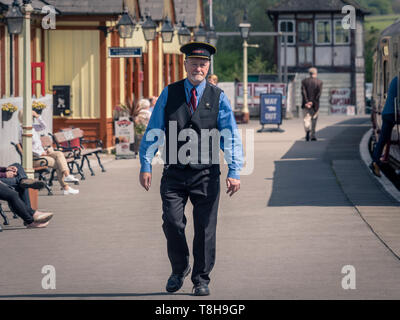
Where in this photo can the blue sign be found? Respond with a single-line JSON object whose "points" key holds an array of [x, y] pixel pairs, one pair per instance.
{"points": [[128, 52], [271, 108]]}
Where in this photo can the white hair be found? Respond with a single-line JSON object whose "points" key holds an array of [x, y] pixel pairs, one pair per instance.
{"points": [[144, 104]]}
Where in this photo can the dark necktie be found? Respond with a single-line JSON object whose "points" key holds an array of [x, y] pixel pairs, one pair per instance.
{"points": [[193, 100]]}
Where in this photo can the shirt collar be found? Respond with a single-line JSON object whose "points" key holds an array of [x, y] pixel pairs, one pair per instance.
{"points": [[199, 88]]}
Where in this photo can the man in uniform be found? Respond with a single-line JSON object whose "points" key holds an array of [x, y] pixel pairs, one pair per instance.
{"points": [[185, 110], [311, 89]]}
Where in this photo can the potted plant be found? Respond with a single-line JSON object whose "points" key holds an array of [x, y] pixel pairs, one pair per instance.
{"points": [[140, 128], [7, 111], [38, 107]]}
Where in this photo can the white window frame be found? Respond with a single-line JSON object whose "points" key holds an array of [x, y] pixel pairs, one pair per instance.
{"points": [[334, 33], [316, 32], [294, 30]]}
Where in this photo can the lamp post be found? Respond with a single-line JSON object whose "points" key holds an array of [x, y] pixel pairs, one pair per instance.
{"points": [[20, 21], [244, 32]]}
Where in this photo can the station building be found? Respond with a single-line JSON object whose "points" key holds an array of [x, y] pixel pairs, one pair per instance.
{"points": [[76, 54], [322, 42]]}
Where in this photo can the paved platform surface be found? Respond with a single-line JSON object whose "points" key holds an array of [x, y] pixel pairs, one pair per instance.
{"points": [[307, 210]]}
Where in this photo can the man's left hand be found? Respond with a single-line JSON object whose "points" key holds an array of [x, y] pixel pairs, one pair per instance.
{"points": [[233, 186]]}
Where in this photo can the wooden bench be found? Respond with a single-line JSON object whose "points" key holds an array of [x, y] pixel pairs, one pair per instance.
{"points": [[40, 171], [73, 139]]}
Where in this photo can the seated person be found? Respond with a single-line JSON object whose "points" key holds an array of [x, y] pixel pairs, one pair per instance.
{"points": [[388, 122], [32, 219], [15, 176], [55, 159]]}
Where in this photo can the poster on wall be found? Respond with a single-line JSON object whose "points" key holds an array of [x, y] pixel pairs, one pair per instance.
{"points": [[340, 99], [61, 101], [125, 138]]}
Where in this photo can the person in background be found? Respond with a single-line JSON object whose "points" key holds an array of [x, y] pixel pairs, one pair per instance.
{"points": [[388, 122], [15, 177], [32, 219], [213, 79], [55, 159], [142, 113], [153, 101], [311, 89]]}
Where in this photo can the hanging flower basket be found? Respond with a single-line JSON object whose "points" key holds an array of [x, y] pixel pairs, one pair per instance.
{"points": [[7, 111], [38, 107]]}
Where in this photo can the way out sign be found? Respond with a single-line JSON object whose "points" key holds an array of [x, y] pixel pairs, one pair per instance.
{"points": [[271, 109]]}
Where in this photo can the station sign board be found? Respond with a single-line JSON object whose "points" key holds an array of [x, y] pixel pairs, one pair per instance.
{"points": [[126, 52], [271, 108]]}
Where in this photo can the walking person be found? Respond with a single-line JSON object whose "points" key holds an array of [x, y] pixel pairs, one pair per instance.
{"points": [[190, 106], [311, 89], [388, 122]]}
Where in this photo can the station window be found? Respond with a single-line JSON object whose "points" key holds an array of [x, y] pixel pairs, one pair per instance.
{"points": [[304, 34], [342, 36], [323, 33], [287, 26]]}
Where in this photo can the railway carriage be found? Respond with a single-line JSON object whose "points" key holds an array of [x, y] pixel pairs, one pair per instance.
{"points": [[386, 66]]}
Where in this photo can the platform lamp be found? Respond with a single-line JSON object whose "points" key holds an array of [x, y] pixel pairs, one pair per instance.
{"points": [[212, 39], [183, 34], [201, 34], [149, 29], [244, 27], [167, 31], [14, 18], [125, 25]]}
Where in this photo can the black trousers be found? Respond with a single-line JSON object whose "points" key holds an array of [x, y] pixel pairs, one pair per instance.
{"points": [[14, 182], [202, 187], [15, 203]]}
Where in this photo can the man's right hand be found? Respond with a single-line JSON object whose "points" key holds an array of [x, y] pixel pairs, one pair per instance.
{"points": [[145, 180]]}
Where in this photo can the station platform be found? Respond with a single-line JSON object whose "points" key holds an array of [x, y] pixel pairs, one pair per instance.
{"points": [[304, 212]]}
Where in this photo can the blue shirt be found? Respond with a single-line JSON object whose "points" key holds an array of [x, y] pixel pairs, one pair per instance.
{"points": [[226, 120], [392, 95]]}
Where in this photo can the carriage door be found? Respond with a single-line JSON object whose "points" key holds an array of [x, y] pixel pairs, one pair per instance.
{"points": [[305, 43]]}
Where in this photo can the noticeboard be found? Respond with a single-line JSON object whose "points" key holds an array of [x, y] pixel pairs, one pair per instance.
{"points": [[124, 52], [61, 100], [271, 108], [124, 134]]}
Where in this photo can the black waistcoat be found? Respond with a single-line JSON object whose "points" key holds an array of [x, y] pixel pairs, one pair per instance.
{"points": [[178, 118]]}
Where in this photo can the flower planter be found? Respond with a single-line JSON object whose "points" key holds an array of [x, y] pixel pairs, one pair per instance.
{"points": [[38, 111], [6, 115]]}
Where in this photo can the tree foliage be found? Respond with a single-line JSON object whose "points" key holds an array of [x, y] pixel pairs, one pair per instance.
{"points": [[227, 14]]}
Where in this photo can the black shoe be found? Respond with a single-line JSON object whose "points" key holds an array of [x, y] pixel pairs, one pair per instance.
{"points": [[31, 183], [314, 139], [201, 290], [308, 136], [375, 169], [175, 281]]}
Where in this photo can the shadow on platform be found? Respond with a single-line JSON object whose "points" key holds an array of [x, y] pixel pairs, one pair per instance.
{"points": [[305, 175]]}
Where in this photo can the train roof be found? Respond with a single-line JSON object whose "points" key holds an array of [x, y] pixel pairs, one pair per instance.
{"points": [[393, 29]]}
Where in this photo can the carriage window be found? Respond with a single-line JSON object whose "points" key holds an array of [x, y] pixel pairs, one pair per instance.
{"points": [[342, 36], [323, 31], [287, 26], [385, 78]]}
